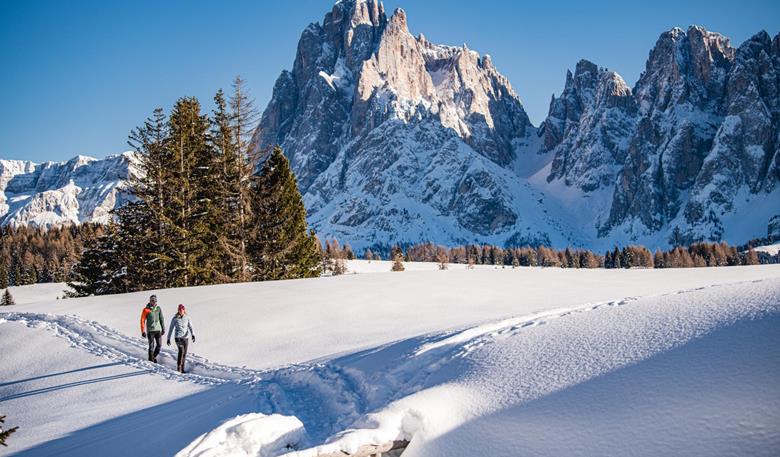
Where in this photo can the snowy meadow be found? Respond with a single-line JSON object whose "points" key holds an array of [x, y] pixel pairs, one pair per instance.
{"points": [[483, 361]]}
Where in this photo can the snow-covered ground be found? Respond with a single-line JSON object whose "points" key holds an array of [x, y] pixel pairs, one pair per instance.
{"points": [[525, 361], [38, 292], [771, 249]]}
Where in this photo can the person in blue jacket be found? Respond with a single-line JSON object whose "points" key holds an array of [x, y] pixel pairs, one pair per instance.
{"points": [[181, 329]]}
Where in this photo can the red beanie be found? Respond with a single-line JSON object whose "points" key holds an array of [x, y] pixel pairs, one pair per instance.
{"points": [[181, 309]]}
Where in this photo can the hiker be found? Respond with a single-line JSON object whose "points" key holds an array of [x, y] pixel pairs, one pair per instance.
{"points": [[153, 327], [181, 329]]}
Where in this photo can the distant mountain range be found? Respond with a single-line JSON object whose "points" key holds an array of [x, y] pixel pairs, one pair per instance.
{"points": [[396, 139], [82, 189]]}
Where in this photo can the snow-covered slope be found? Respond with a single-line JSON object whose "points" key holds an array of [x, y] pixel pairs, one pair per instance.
{"points": [[82, 189], [457, 362], [771, 249]]}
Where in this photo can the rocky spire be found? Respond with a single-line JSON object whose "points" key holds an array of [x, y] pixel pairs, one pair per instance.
{"points": [[595, 108]]}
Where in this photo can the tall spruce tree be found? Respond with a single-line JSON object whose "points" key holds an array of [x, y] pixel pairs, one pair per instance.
{"points": [[152, 189], [280, 245], [189, 149], [230, 195]]}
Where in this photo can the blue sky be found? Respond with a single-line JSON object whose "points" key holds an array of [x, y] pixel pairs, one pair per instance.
{"points": [[78, 75]]}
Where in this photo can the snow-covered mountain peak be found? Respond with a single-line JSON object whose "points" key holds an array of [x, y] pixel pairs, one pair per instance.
{"points": [[406, 120]]}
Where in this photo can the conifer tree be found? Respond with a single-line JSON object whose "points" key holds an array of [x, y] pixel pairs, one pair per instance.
{"points": [[224, 196], [101, 269], [5, 433], [3, 276], [243, 119], [617, 261], [280, 245], [658, 259], [398, 264], [7, 299], [751, 257], [152, 189], [188, 130]]}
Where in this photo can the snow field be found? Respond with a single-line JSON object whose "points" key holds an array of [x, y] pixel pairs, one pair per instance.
{"points": [[488, 361], [274, 324]]}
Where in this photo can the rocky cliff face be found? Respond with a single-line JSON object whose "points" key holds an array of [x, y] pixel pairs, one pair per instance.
{"points": [[394, 138], [398, 139], [687, 153], [82, 189]]}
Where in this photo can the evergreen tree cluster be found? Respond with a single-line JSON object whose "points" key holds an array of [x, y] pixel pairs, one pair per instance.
{"points": [[206, 209], [494, 255], [31, 255], [704, 255]]}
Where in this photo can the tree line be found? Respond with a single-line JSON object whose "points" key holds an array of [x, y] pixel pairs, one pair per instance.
{"points": [[31, 255], [696, 255], [206, 209]]}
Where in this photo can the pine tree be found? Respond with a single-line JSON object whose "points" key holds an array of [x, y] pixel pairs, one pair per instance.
{"points": [[442, 258], [7, 299], [189, 205], [398, 264], [751, 257], [230, 193], [100, 270], [658, 260], [617, 261], [280, 245], [3, 276], [5, 433], [152, 188]]}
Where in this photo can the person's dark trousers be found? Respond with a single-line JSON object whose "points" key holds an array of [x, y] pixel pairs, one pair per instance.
{"points": [[155, 343], [182, 344]]}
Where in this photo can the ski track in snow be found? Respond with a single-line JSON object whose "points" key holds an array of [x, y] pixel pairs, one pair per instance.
{"points": [[326, 397]]}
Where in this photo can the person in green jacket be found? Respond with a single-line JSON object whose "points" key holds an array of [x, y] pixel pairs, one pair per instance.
{"points": [[153, 327]]}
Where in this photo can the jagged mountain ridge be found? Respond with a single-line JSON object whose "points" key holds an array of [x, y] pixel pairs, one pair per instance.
{"points": [[690, 153], [82, 189], [396, 139]]}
